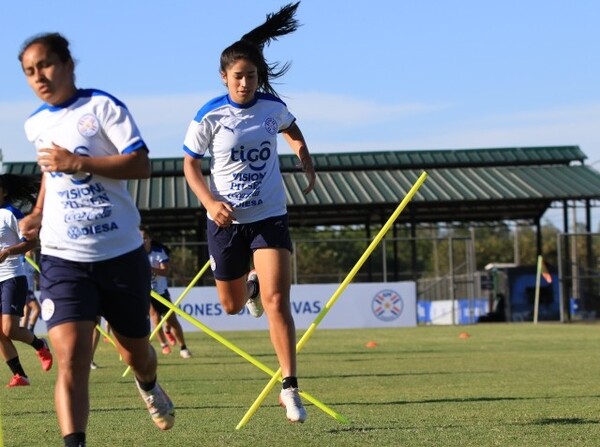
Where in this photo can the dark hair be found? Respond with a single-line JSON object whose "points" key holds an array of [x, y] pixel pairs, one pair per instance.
{"points": [[55, 42], [20, 189], [153, 242], [251, 45]]}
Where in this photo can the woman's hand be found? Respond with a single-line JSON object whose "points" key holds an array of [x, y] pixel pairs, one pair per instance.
{"points": [[221, 213], [58, 159], [30, 225]]}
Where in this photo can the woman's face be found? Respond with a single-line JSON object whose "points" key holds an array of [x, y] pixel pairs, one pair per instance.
{"points": [[52, 80], [241, 79]]}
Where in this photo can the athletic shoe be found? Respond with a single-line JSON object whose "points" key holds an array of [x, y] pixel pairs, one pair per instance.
{"points": [[166, 349], [170, 338], [45, 356], [290, 400], [254, 305], [93, 365], [159, 406], [18, 380], [185, 353]]}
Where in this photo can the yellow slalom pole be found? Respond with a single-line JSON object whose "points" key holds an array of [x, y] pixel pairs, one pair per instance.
{"points": [[33, 264], [277, 377], [244, 355], [170, 312], [538, 278], [105, 334]]}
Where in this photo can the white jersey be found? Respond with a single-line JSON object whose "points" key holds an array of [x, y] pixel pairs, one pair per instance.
{"points": [[242, 141], [87, 217], [10, 235], [157, 256]]}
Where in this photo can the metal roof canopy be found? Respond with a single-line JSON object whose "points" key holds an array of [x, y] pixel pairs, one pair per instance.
{"points": [[470, 185]]}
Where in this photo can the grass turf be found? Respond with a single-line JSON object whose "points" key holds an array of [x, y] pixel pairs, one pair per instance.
{"points": [[504, 385]]}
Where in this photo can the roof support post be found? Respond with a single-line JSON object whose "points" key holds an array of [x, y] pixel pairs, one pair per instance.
{"points": [[589, 247], [395, 249], [565, 282], [413, 243], [538, 231]]}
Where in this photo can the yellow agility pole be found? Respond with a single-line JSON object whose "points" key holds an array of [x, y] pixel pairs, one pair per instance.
{"points": [[245, 355], [106, 335], [277, 376], [170, 312], [33, 264]]}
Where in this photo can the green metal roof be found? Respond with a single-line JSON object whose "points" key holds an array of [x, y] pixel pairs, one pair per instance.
{"points": [[444, 158], [520, 156], [355, 188]]}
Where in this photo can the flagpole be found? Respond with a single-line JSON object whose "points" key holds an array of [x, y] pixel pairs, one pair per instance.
{"points": [[538, 276]]}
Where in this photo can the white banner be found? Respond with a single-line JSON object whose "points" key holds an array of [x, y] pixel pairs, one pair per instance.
{"points": [[359, 306]]}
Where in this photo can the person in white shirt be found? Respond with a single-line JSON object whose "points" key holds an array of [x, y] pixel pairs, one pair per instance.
{"points": [[31, 310], [158, 255], [93, 262], [245, 201], [13, 282]]}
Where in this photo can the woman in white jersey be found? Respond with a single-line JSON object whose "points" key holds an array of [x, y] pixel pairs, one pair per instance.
{"points": [[13, 282], [245, 202], [92, 258], [32, 309], [158, 256]]}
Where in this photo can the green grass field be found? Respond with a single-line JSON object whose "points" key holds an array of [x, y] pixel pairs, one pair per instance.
{"points": [[505, 385]]}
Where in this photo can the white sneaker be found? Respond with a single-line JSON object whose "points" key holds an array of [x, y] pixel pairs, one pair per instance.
{"points": [[254, 305], [93, 365], [290, 400], [185, 353], [159, 406]]}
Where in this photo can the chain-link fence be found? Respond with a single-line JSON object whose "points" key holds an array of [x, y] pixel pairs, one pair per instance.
{"points": [[579, 275]]}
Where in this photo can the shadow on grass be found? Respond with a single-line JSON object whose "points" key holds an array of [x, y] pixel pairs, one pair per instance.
{"points": [[403, 374], [538, 422], [465, 400], [358, 430], [563, 421]]}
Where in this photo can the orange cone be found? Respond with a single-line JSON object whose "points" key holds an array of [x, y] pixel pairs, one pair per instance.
{"points": [[464, 335], [371, 344]]}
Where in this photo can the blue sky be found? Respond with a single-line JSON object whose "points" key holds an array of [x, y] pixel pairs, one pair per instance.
{"points": [[365, 76], [378, 75]]}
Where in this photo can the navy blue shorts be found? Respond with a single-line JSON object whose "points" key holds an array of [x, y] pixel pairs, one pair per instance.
{"points": [[231, 248], [160, 308], [13, 292], [117, 289]]}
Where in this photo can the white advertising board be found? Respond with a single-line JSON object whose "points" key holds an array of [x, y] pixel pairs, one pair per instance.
{"points": [[360, 305]]}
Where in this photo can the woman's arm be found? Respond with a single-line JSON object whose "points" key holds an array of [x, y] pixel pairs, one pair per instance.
{"points": [[133, 165], [295, 139], [220, 212]]}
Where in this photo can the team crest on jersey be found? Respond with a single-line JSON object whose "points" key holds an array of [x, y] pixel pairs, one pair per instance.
{"points": [[271, 125], [88, 125]]}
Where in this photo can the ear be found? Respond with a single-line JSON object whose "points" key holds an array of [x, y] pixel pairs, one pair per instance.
{"points": [[224, 77]]}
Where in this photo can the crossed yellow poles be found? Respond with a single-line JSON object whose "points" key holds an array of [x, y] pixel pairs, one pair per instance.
{"points": [[276, 375]]}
